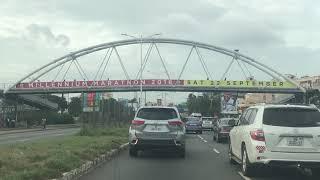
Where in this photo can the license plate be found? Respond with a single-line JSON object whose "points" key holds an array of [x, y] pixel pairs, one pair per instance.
{"points": [[295, 141]]}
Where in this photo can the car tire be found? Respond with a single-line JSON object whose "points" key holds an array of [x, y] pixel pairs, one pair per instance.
{"points": [[214, 136], [230, 153], [200, 132], [133, 152], [246, 167], [218, 139], [182, 153], [315, 172]]}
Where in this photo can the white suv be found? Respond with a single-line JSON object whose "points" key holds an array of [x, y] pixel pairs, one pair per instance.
{"points": [[276, 135]]}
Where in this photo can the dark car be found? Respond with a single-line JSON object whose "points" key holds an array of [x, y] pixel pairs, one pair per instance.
{"points": [[222, 128], [193, 124]]}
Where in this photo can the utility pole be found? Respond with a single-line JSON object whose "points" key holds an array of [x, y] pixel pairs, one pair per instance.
{"points": [[141, 59]]}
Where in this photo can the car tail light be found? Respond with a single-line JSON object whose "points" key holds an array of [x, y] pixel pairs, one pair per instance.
{"points": [[137, 122], [175, 123], [223, 129], [257, 135]]}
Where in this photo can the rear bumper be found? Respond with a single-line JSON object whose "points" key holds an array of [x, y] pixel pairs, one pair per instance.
{"points": [[193, 128], [207, 126], [310, 160], [224, 135], [154, 144]]}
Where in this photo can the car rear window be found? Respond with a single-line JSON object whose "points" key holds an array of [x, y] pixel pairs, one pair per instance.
{"points": [[207, 119], [291, 117], [224, 122], [157, 113]]}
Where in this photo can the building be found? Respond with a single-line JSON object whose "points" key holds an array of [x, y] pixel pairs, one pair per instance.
{"points": [[309, 82]]}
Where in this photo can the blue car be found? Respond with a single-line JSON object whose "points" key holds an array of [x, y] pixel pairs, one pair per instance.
{"points": [[194, 125]]}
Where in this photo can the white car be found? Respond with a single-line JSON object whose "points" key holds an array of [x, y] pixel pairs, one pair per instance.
{"points": [[207, 123], [276, 135]]}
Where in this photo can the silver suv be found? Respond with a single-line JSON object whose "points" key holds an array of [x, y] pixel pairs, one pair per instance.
{"points": [[157, 128]]}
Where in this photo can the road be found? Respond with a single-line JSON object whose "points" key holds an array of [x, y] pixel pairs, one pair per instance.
{"points": [[34, 135], [205, 159]]}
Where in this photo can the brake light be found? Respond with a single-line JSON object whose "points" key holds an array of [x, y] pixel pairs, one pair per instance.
{"points": [[137, 122], [175, 123], [257, 135], [223, 129]]}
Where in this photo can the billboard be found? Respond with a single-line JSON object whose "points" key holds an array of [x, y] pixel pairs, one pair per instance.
{"points": [[91, 101], [156, 83], [229, 103]]}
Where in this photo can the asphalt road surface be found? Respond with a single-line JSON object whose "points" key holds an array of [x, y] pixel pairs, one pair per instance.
{"points": [[35, 135], [205, 159]]}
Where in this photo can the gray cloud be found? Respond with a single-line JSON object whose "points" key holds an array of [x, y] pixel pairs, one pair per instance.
{"points": [[44, 34]]}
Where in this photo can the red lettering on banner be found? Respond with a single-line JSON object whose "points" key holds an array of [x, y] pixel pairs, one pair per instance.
{"points": [[158, 82], [135, 82], [52, 84], [142, 82], [84, 83], [60, 84], [66, 84], [116, 83], [103, 83], [128, 82], [109, 83]]}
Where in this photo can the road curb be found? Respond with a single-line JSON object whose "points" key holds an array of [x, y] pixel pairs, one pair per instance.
{"points": [[91, 165], [35, 130]]}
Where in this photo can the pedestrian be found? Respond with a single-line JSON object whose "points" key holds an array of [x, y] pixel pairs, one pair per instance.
{"points": [[44, 123]]}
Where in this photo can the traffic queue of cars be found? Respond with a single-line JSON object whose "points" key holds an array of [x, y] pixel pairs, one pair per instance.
{"points": [[264, 135]]}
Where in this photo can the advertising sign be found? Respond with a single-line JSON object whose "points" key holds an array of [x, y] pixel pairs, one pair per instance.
{"points": [[229, 103], [156, 83], [91, 101]]}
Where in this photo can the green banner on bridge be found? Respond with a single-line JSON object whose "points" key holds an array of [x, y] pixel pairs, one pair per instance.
{"points": [[240, 84]]}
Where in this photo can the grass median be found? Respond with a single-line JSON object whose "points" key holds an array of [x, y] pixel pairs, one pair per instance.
{"points": [[49, 158]]}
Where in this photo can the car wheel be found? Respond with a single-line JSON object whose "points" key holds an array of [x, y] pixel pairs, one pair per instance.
{"points": [[133, 152], [200, 132], [214, 136], [182, 153], [218, 139], [315, 172], [230, 153], [246, 167]]}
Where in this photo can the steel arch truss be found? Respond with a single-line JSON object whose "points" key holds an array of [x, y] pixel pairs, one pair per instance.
{"points": [[72, 58]]}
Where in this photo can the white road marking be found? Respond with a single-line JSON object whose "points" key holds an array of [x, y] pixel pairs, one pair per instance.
{"points": [[215, 150], [244, 177], [200, 137], [204, 140]]}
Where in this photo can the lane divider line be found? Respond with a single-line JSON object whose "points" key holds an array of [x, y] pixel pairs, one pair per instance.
{"points": [[204, 140], [215, 150], [244, 177]]}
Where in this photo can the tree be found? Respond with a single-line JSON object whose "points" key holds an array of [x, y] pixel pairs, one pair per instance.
{"points": [[75, 108], [207, 104], [314, 97]]}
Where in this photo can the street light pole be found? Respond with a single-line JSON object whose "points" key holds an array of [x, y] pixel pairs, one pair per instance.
{"points": [[141, 60]]}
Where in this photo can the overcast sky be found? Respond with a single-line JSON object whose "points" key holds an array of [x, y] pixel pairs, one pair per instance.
{"points": [[282, 34]]}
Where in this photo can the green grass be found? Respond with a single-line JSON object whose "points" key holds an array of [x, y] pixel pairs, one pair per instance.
{"points": [[49, 158]]}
